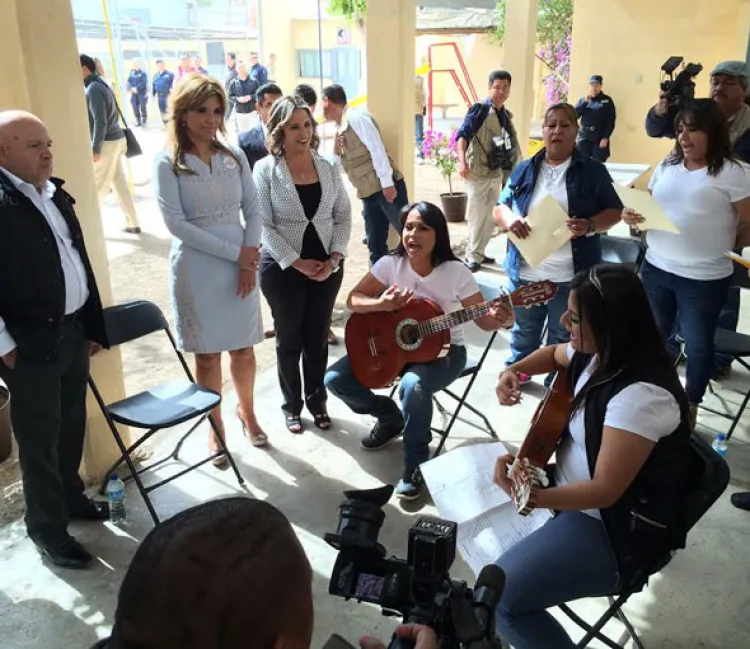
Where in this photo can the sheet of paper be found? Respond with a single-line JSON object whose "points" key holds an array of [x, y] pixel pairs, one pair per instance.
{"points": [[548, 231], [461, 486], [738, 259], [487, 537], [654, 218]]}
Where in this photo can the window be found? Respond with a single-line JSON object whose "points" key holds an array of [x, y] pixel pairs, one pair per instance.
{"points": [[309, 63]]}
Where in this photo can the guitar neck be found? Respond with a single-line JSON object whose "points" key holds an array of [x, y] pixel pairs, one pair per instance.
{"points": [[455, 318]]}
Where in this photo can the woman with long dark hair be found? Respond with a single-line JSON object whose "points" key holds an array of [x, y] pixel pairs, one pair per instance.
{"points": [[423, 266], [622, 463], [583, 189], [705, 192]]}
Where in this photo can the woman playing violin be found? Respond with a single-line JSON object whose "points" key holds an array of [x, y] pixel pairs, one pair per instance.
{"points": [[622, 462]]}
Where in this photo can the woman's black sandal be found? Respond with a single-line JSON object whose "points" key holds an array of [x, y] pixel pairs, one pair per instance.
{"points": [[294, 424], [322, 421]]}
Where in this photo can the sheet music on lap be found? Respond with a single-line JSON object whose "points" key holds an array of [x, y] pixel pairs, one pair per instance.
{"points": [[461, 486]]}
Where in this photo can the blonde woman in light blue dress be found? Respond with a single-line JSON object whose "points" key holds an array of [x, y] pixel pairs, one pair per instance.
{"points": [[202, 185]]}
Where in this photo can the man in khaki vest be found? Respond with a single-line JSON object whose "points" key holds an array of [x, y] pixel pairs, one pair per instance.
{"points": [[379, 184], [487, 152]]}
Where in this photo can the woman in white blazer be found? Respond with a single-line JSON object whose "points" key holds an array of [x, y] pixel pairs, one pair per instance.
{"points": [[306, 228]]}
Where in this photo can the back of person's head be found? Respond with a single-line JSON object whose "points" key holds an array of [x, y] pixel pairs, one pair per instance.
{"points": [[227, 574], [432, 216], [611, 300], [308, 94], [704, 115], [267, 89], [88, 63], [335, 94]]}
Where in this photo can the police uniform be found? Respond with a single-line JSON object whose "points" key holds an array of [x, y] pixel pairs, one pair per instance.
{"points": [[138, 80], [160, 88], [597, 117]]}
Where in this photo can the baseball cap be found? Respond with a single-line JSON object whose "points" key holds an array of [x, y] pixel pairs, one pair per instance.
{"points": [[596, 78], [732, 69]]}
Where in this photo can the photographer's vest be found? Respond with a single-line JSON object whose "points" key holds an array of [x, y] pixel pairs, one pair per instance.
{"points": [[357, 163], [740, 124], [481, 146]]}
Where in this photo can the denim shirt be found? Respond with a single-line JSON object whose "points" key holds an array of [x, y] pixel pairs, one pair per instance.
{"points": [[590, 191]]}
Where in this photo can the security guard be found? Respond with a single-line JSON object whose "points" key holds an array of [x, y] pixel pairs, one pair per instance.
{"points": [[138, 89], [161, 86], [597, 114]]}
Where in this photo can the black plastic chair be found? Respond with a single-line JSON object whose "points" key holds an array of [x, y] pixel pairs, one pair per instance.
{"points": [[711, 479], [163, 406], [736, 345]]}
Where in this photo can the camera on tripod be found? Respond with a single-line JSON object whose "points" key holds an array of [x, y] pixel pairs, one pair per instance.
{"points": [[679, 90], [419, 588]]}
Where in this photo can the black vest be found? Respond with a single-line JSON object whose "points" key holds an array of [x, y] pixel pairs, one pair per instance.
{"points": [[253, 143], [32, 293], [647, 521]]}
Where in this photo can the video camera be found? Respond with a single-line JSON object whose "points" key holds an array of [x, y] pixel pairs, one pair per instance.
{"points": [[419, 588], [679, 90]]}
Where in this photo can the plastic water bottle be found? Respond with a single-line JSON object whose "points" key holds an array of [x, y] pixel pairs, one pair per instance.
{"points": [[720, 444], [116, 498]]}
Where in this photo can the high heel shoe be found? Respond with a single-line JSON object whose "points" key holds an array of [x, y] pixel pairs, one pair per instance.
{"points": [[259, 439], [220, 461]]}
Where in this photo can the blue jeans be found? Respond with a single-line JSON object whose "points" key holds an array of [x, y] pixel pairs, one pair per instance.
{"points": [[694, 307], [419, 382], [526, 335], [419, 133], [379, 215], [566, 559], [728, 319]]}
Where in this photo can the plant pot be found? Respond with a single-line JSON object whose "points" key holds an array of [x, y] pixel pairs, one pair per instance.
{"points": [[6, 430], [454, 206]]}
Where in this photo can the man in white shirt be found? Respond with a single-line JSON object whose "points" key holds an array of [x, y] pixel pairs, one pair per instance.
{"points": [[51, 320], [364, 158]]}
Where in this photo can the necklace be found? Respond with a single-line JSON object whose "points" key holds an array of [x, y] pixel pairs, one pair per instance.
{"points": [[303, 171]]}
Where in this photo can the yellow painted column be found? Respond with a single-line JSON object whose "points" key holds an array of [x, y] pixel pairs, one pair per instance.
{"points": [[390, 32], [519, 60], [42, 75], [276, 36]]}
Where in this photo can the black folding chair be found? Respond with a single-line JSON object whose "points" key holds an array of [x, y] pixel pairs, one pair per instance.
{"points": [[623, 250], [163, 406], [471, 371], [736, 345], [711, 479]]}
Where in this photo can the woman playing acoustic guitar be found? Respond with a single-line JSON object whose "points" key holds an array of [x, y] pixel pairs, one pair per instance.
{"points": [[622, 462], [423, 266]]}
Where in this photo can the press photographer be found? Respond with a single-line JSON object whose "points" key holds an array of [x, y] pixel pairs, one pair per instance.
{"points": [[227, 574], [728, 89]]}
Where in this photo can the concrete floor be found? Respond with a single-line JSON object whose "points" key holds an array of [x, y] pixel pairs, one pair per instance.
{"points": [[700, 600]]}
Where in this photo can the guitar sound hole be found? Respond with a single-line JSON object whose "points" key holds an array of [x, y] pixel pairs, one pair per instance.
{"points": [[409, 334]]}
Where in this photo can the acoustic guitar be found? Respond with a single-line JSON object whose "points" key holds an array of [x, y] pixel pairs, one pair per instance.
{"points": [[549, 422], [382, 343]]}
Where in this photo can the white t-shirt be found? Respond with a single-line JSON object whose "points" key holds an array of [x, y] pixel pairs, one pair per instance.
{"points": [[558, 267], [446, 285], [641, 408], [700, 205]]}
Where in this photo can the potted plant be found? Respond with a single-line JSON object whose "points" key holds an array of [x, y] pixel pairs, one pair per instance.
{"points": [[6, 430], [441, 148]]}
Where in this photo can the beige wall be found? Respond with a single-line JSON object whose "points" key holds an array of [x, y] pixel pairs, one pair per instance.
{"points": [[627, 41]]}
